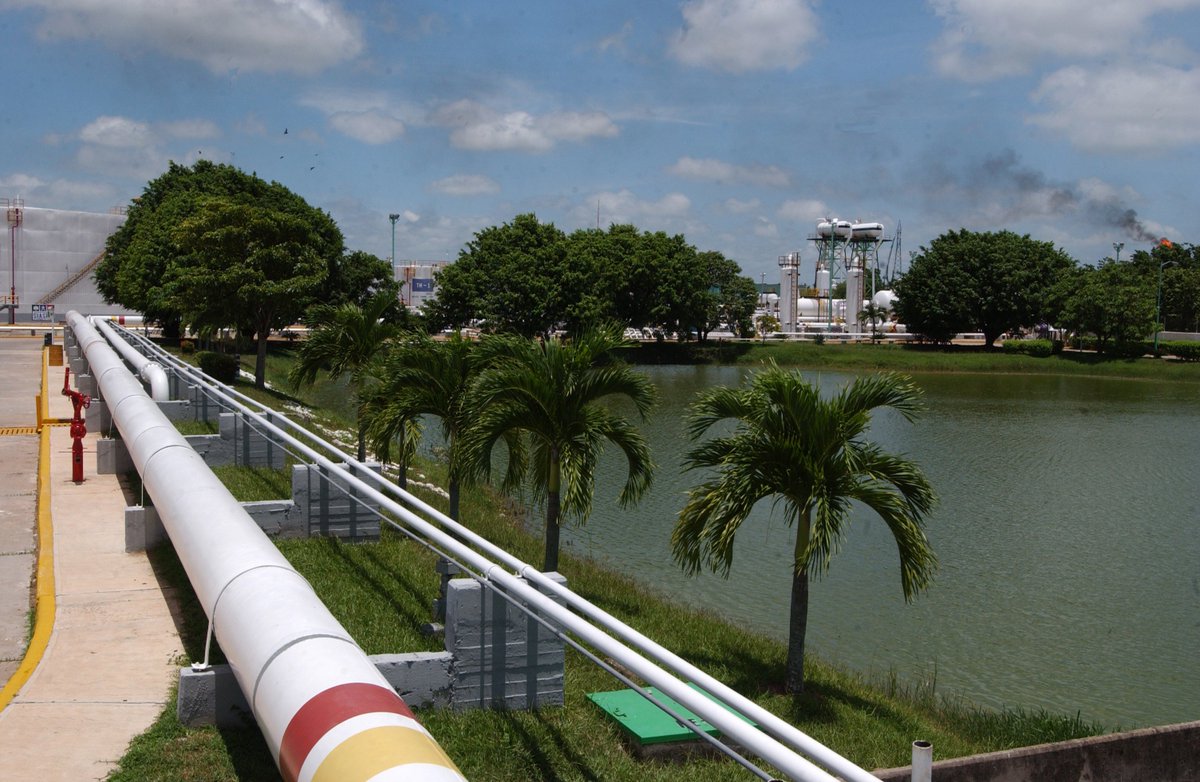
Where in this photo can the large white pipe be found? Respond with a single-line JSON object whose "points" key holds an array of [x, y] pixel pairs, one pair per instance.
{"points": [[773, 725], [324, 709], [147, 369]]}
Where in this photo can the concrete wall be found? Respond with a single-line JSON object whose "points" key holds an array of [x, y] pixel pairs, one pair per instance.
{"points": [[1165, 754]]}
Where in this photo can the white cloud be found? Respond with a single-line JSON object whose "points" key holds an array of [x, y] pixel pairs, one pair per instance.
{"points": [[478, 127], [370, 127], [1122, 108], [118, 132], [623, 206], [745, 35], [709, 169], [126, 147], [989, 39], [804, 209], [191, 129], [742, 207], [60, 193], [765, 228], [297, 36], [465, 185]]}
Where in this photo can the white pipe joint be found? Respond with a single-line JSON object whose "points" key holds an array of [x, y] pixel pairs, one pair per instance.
{"points": [[148, 370]]}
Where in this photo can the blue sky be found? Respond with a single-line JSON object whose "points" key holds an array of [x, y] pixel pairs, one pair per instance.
{"points": [[736, 122]]}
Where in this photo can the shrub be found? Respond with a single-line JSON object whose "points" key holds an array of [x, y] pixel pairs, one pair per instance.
{"points": [[222, 367], [1180, 349], [1038, 348], [187, 346]]}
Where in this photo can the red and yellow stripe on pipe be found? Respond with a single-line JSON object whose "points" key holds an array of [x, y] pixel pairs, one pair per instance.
{"points": [[345, 725]]}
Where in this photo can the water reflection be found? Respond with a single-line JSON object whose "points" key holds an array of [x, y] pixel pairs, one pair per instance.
{"points": [[1067, 533]]}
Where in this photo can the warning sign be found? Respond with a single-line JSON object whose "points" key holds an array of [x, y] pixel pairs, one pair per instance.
{"points": [[43, 312]]}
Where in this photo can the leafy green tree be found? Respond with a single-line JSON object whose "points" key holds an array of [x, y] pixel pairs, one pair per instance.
{"points": [[1115, 302], [988, 282], [422, 376], [359, 276], [809, 454], [344, 340], [507, 278], [141, 254], [247, 266], [552, 393]]}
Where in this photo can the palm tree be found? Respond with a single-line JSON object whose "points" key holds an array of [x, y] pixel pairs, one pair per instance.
{"points": [[343, 341], [550, 392], [809, 454], [873, 314], [422, 376]]}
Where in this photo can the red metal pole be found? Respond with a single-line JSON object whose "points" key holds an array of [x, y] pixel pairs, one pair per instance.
{"points": [[78, 426]]}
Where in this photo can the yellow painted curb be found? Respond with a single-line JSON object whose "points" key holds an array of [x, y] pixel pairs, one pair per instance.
{"points": [[43, 623]]}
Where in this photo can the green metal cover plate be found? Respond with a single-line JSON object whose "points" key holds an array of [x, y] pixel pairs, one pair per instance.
{"points": [[647, 723]]}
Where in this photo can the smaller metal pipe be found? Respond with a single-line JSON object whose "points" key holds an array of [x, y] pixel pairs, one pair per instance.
{"points": [[922, 761], [148, 370]]}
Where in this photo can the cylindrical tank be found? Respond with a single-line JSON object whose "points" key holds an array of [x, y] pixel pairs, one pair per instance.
{"points": [[824, 229], [842, 229], [866, 232], [884, 299], [807, 308], [773, 299], [823, 281]]}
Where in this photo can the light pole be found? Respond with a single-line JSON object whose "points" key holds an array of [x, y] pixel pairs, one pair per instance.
{"points": [[1118, 246], [393, 217], [1158, 304]]}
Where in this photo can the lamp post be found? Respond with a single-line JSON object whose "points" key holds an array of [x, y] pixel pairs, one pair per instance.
{"points": [[393, 217], [1158, 304]]}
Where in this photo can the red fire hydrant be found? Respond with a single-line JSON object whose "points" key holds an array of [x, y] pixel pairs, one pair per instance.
{"points": [[78, 426]]}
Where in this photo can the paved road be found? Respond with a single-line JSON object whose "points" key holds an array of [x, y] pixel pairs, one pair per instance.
{"points": [[20, 376], [107, 669]]}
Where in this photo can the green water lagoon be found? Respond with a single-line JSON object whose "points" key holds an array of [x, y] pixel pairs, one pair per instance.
{"points": [[1068, 534]]}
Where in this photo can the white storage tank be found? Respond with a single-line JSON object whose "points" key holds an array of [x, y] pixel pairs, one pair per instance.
{"points": [[866, 232], [843, 229], [884, 300], [808, 308], [823, 281], [824, 229]]}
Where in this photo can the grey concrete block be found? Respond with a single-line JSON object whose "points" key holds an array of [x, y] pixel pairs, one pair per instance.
{"points": [[420, 678], [86, 384], [143, 528], [97, 417], [212, 696], [176, 409], [211, 448], [112, 457], [251, 447], [277, 518], [330, 507], [503, 657]]}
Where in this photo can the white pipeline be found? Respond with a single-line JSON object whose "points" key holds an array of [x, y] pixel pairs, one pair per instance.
{"points": [[148, 370], [324, 709]]}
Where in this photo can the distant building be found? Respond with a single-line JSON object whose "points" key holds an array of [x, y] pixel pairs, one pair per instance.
{"points": [[47, 259], [417, 281]]}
